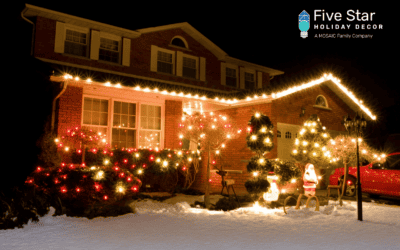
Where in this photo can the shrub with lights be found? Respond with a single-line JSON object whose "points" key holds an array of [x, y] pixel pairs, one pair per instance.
{"points": [[259, 140], [343, 149], [311, 146], [210, 133]]}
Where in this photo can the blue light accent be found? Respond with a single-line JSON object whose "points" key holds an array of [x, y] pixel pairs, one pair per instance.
{"points": [[304, 26]]}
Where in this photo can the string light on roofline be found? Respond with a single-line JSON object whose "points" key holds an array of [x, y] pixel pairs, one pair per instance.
{"points": [[289, 91]]}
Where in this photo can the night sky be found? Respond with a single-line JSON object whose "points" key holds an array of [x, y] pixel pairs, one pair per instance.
{"points": [[270, 36]]}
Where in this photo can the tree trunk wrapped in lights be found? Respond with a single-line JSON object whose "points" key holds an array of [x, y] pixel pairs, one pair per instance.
{"points": [[210, 132], [343, 148]]}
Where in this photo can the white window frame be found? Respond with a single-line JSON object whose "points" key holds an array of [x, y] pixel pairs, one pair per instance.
{"points": [[183, 40], [235, 67], [108, 115], [68, 26], [197, 65], [114, 38], [154, 59], [249, 71], [113, 100], [140, 123], [110, 118], [326, 102]]}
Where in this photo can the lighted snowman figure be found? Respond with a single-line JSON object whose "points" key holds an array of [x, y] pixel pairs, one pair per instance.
{"points": [[273, 192], [310, 180]]}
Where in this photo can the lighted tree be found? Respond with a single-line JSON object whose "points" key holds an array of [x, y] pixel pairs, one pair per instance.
{"points": [[259, 140], [210, 132], [343, 148], [311, 145]]}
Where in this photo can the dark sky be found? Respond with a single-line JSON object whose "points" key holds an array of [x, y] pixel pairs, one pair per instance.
{"points": [[270, 36]]}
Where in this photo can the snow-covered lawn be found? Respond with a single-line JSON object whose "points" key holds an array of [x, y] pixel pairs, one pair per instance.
{"points": [[166, 225]]}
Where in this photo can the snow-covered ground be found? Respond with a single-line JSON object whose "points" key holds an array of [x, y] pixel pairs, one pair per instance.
{"points": [[171, 225]]}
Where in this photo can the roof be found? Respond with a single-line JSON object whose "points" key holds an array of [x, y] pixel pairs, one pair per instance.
{"points": [[223, 98]]}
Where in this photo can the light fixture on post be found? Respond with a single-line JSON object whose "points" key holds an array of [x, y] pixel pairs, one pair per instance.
{"points": [[303, 111], [356, 127]]}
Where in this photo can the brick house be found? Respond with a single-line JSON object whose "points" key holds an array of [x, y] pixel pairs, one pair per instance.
{"points": [[141, 82]]}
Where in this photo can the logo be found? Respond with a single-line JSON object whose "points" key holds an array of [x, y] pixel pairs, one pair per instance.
{"points": [[304, 23]]}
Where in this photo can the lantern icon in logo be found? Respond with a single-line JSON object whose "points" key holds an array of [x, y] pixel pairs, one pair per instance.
{"points": [[304, 23]]}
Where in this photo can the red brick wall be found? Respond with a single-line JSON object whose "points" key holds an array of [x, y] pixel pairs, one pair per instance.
{"points": [[287, 110], [235, 153], [69, 109], [173, 115], [140, 54]]}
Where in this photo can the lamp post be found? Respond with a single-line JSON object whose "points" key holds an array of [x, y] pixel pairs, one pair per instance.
{"points": [[356, 128]]}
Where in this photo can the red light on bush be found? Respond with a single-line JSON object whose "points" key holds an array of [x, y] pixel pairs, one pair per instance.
{"points": [[97, 187], [144, 165], [64, 176], [349, 182], [105, 197], [78, 190], [111, 154], [121, 175], [128, 179], [184, 168], [125, 160], [116, 168], [169, 155], [94, 150], [135, 188], [213, 162], [71, 166], [151, 158], [83, 164], [47, 174], [104, 151], [133, 166], [63, 189], [209, 180], [180, 143], [79, 151], [62, 164], [56, 181], [39, 169]]}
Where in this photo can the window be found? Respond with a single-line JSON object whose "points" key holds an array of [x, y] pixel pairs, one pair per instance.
{"points": [[121, 123], [189, 67], [321, 101], [178, 42], [95, 114], [75, 43], [249, 81], [164, 62], [150, 126], [231, 79], [288, 135], [124, 125], [279, 134], [109, 50]]}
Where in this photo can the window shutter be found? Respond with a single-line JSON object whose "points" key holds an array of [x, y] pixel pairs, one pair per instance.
{"points": [[95, 45], [223, 73], [126, 54], [153, 59], [179, 63], [259, 79], [202, 69], [241, 77], [60, 38]]}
